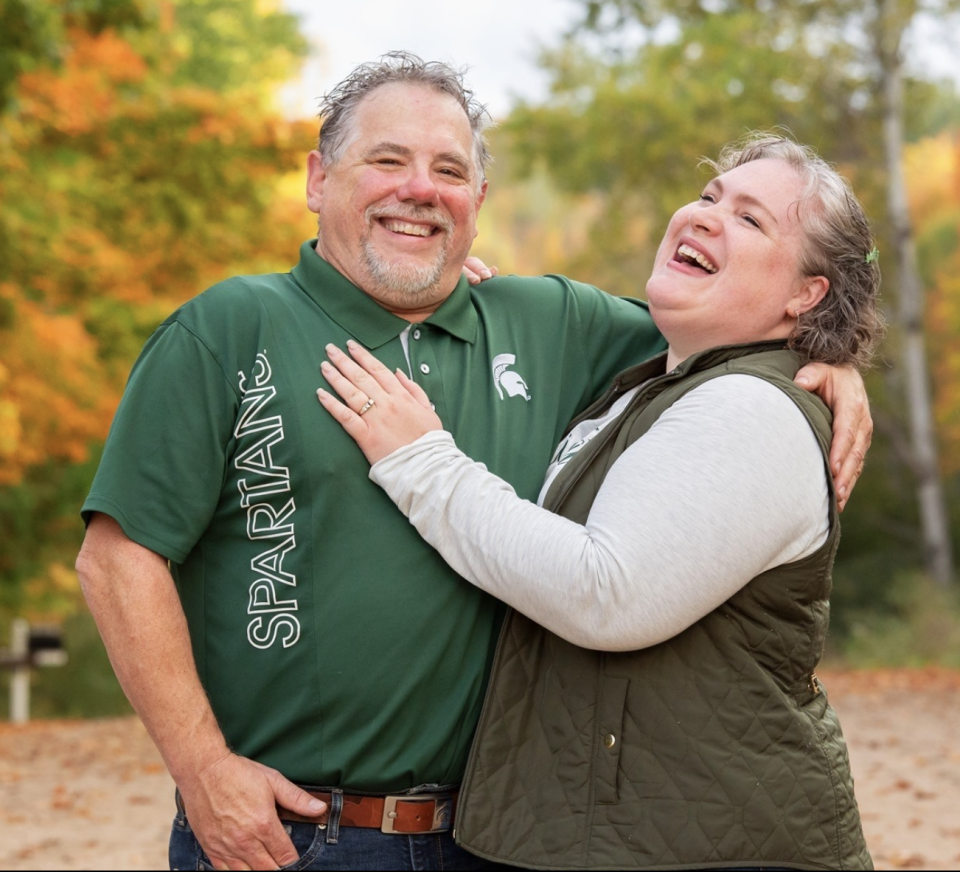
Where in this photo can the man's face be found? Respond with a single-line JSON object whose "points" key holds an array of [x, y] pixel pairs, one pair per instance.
{"points": [[398, 211]]}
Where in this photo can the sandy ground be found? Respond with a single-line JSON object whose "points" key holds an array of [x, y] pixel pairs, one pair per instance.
{"points": [[94, 794]]}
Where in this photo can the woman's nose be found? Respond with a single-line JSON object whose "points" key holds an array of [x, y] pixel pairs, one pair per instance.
{"points": [[709, 218]]}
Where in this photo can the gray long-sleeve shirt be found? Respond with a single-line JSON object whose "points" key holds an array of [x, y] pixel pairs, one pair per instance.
{"points": [[728, 483]]}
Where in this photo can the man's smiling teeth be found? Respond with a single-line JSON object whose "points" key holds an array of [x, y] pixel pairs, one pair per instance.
{"points": [[408, 229], [691, 254]]}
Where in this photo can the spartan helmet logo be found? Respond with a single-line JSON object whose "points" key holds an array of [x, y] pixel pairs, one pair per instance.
{"points": [[506, 380]]}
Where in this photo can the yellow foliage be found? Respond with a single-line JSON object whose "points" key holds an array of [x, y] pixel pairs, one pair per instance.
{"points": [[932, 168], [53, 594], [55, 403], [928, 165]]}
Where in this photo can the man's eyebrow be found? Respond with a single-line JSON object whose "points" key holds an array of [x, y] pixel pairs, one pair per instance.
{"points": [[385, 145], [749, 200], [456, 159]]}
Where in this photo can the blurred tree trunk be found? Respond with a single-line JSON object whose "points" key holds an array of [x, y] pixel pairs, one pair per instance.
{"points": [[891, 24]]}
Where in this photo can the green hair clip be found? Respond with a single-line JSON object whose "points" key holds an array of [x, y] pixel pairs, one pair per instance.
{"points": [[874, 256]]}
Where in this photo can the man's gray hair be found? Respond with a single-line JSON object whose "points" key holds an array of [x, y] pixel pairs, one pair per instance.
{"points": [[846, 325], [338, 106]]}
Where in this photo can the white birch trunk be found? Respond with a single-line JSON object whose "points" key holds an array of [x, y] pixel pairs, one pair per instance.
{"points": [[934, 521]]}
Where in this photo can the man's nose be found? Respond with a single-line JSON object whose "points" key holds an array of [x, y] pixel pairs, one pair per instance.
{"points": [[418, 187]]}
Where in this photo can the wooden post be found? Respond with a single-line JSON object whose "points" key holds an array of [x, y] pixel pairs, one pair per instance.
{"points": [[20, 674]]}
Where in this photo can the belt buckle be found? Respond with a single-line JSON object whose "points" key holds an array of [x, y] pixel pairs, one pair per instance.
{"points": [[442, 808]]}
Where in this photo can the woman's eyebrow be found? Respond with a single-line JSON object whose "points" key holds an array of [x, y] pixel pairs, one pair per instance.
{"points": [[747, 199]]}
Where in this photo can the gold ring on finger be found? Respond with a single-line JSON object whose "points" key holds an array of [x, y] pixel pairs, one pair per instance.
{"points": [[367, 406]]}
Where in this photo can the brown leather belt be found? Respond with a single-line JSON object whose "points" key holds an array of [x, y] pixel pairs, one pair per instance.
{"points": [[410, 813]]}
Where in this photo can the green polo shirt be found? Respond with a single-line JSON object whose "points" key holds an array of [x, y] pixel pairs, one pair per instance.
{"points": [[334, 644]]}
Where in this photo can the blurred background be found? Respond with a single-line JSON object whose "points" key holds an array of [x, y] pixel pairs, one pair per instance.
{"points": [[149, 148]]}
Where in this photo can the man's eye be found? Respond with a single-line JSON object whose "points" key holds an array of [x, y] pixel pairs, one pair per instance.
{"points": [[448, 171]]}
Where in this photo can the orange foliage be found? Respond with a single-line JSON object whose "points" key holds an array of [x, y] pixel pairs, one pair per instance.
{"points": [[123, 196], [936, 212], [84, 93], [54, 403]]}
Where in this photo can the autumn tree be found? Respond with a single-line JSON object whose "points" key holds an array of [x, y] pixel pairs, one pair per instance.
{"points": [[642, 89], [139, 162]]}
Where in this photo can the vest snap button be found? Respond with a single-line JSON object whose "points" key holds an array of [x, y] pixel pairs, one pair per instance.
{"points": [[610, 740]]}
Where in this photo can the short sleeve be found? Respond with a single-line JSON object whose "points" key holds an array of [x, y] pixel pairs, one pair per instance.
{"points": [[616, 333], [164, 461]]}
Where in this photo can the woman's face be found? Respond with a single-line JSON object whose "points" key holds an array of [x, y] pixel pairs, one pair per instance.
{"points": [[727, 269]]}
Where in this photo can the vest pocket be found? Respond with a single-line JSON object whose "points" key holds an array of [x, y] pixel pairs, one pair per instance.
{"points": [[609, 739]]}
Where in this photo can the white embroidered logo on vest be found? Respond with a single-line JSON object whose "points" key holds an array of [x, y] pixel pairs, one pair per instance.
{"points": [[504, 379]]}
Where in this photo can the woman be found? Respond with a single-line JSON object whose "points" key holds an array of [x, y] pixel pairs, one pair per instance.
{"points": [[653, 701]]}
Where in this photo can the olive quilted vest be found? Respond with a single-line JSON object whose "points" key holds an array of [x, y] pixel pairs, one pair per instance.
{"points": [[716, 748]]}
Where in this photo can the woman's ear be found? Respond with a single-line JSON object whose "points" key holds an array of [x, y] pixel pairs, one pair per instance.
{"points": [[810, 294]]}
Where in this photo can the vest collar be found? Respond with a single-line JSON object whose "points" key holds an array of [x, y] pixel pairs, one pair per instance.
{"points": [[655, 368], [710, 357]]}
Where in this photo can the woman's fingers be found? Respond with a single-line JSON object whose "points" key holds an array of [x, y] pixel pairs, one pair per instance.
{"points": [[476, 270], [383, 376], [417, 392], [344, 415], [353, 396], [352, 371], [379, 410], [363, 369]]}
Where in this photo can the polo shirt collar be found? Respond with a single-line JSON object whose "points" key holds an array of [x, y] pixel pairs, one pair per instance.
{"points": [[365, 319]]}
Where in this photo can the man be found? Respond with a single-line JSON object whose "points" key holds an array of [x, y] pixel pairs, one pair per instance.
{"points": [[273, 619]]}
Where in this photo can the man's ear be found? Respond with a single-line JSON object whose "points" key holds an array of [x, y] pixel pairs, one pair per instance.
{"points": [[810, 294], [481, 196], [316, 176]]}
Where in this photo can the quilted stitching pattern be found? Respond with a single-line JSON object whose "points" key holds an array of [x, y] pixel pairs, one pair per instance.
{"points": [[726, 754], [711, 770]]}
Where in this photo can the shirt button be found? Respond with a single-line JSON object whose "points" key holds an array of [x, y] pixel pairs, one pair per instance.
{"points": [[433, 406], [416, 334], [424, 368], [610, 740]]}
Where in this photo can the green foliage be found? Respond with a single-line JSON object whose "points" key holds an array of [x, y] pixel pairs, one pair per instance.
{"points": [[921, 627], [633, 125], [84, 688], [228, 46], [42, 524], [640, 91], [30, 34], [930, 108], [121, 329]]}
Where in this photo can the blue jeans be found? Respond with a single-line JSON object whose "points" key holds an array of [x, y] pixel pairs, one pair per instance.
{"points": [[352, 848]]}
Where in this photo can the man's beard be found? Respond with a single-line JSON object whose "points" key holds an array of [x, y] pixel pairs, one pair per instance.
{"points": [[405, 281]]}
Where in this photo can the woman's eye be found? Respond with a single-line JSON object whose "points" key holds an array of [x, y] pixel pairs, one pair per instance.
{"points": [[708, 198], [751, 220]]}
